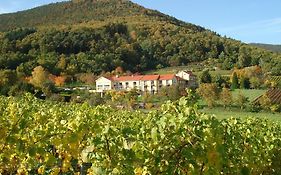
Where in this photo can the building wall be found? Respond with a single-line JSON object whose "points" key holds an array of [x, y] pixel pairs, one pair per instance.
{"points": [[103, 84], [152, 86], [183, 75], [126, 85], [189, 78], [149, 86], [167, 82]]}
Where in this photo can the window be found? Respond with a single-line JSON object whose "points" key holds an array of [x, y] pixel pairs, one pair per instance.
{"points": [[160, 81], [99, 87], [120, 86], [135, 84], [127, 84], [106, 87], [152, 82]]}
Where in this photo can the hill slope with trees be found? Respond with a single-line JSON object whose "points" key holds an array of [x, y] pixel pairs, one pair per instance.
{"points": [[98, 36], [272, 47], [82, 11]]}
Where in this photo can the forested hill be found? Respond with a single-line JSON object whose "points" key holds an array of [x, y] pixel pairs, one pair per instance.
{"points": [[272, 47], [100, 35], [82, 11]]}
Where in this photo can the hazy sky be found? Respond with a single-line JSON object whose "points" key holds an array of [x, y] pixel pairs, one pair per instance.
{"points": [[245, 20]]}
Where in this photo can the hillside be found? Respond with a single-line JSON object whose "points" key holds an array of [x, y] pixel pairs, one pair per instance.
{"points": [[272, 47], [81, 11], [100, 35]]}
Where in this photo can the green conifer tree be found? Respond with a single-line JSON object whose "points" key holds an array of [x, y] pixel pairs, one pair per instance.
{"points": [[234, 82]]}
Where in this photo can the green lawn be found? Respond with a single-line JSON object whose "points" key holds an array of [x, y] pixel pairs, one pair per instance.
{"points": [[197, 70], [252, 94], [222, 113], [217, 72], [169, 70]]}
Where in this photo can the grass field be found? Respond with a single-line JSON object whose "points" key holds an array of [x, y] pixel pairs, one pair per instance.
{"points": [[169, 70], [252, 94], [194, 68], [222, 113]]}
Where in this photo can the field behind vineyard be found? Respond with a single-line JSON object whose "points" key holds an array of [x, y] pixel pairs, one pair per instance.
{"points": [[222, 113], [41, 137]]}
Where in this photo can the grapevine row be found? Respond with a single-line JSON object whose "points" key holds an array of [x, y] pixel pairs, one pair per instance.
{"points": [[40, 137]]}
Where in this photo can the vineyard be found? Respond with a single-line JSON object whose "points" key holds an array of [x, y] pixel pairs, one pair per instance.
{"points": [[40, 137], [276, 79]]}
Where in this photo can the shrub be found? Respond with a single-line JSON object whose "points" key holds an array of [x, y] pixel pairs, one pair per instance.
{"points": [[242, 100], [226, 97], [275, 108], [149, 105]]}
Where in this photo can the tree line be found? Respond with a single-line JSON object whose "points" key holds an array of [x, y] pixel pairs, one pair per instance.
{"points": [[73, 51]]}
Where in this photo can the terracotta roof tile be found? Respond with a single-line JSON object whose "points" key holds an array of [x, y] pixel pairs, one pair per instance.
{"points": [[167, 77], [128, 78], [150, 77], [143, 77]]}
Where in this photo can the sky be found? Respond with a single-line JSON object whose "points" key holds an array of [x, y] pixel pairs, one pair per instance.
{"points": [[257, 21]]}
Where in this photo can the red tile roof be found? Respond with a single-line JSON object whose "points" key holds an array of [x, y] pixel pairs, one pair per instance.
{"points": [[143, 77], [150, 77], [127, 78], [167, 77]]}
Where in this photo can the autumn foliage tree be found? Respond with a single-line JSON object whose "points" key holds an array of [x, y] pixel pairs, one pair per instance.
{"points": [[209, 92], [40, 79], [226, 97], [60, 80], [87, 78]]}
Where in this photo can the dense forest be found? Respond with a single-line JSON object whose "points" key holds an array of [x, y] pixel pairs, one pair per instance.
{"points": [[99, 35]]}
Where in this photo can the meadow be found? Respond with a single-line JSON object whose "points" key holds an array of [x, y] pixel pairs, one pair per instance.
{"points": [[234, 111], [221, 113]]}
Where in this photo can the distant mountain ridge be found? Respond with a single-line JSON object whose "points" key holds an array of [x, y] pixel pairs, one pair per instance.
{"points": [[99, 36], [272, 47]]}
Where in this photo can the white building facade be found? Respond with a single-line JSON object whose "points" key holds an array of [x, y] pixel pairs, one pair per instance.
{"points": [[145, 83]]}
